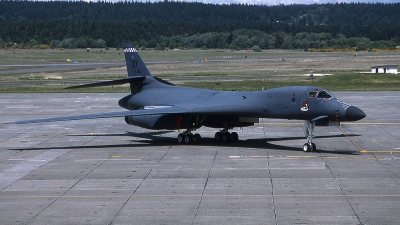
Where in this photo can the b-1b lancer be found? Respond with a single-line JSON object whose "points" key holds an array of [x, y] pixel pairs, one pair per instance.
{"points": [[157, 104]]}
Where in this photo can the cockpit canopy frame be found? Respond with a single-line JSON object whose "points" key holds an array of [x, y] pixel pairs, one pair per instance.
{"points": [[320, 94]]}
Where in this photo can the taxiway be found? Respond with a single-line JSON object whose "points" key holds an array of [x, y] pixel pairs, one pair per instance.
{"points": [[107, 172]]}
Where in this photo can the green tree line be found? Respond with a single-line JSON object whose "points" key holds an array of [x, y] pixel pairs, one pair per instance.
{"points": [[197, 25]]}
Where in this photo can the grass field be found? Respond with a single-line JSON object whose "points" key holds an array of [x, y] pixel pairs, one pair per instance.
{"points": [[214, 69]]}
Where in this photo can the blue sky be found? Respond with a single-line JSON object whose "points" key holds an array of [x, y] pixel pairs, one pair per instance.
{"points": [[277, 2]]}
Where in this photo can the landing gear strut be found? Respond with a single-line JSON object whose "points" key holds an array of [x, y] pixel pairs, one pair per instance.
{"points": [[187, 137], [225, 136], [309, 146]]}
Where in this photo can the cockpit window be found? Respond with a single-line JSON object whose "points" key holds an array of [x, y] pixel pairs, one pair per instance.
{"points": [[312, 94], [319, 94], [324, 95]]}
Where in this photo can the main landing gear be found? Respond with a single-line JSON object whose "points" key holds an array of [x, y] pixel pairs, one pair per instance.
{"points": [[309, 146], [188, 138], [221, 136], [225, 136]]}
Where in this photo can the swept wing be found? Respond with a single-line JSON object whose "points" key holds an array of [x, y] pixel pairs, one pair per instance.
{"points": [[140, 112]]}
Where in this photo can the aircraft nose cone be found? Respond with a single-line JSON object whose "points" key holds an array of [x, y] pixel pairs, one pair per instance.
{"points": [[353, 113]]}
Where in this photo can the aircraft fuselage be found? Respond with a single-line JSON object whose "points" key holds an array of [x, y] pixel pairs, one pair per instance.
{"points": [[230, 108]]}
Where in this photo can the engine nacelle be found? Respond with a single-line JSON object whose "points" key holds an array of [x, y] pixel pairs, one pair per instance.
{"points": [[223, 121], [159, 122], [326, 123]]}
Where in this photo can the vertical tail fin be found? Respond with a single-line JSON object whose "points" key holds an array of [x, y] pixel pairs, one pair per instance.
{"points": [[134, 64], [138, 74]]}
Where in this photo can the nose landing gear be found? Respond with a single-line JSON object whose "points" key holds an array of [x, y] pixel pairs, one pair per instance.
{"points": [[309, 146]]}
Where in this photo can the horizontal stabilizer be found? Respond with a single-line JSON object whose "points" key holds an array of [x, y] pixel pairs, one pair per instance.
{"points": [[126, 80]]}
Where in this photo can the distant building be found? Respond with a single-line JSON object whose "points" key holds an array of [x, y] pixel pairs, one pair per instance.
{"points": [[385, 69]]}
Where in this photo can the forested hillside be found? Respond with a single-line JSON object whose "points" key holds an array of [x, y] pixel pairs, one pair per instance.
{"points": [[197, 25]]}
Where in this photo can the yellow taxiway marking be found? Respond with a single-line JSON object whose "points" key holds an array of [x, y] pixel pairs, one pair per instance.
{"points": [[379, 151], [364, 150], [237, 157], [371, 123], [351, 139]]}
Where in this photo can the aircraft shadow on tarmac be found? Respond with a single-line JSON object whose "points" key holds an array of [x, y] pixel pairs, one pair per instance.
{"points": [[155, 139]]}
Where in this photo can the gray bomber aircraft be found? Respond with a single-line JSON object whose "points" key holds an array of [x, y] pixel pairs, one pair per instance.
{"points": [[158, 104]]}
